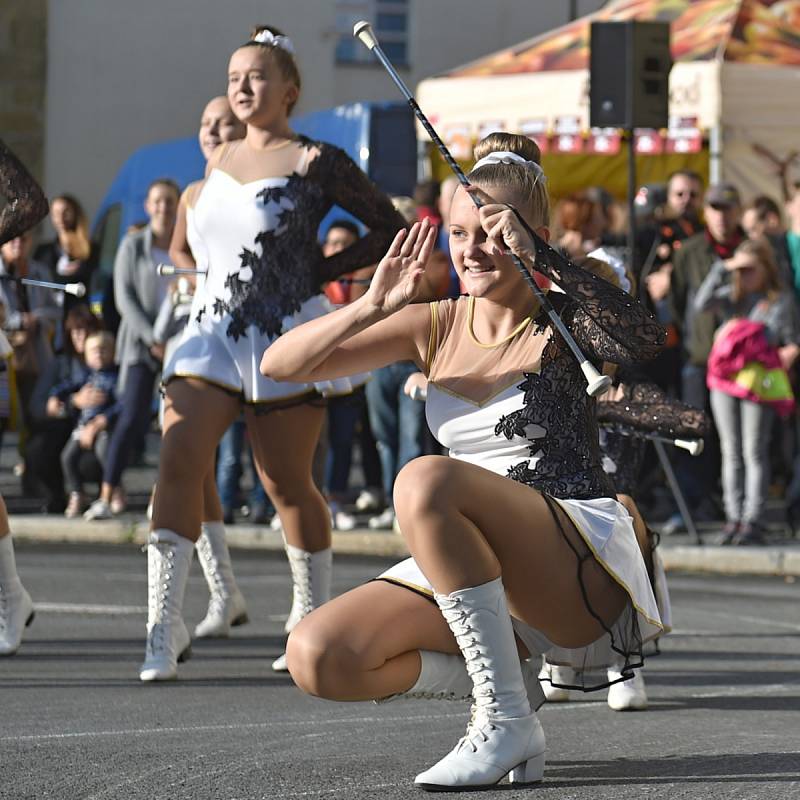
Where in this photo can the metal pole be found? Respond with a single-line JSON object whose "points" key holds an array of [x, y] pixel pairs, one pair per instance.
{"points": [[676, 491], [632, 265]]}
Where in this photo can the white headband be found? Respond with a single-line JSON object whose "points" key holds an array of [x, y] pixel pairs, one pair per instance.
{"points": [[507, 157], [615, 263], [267, 37]]}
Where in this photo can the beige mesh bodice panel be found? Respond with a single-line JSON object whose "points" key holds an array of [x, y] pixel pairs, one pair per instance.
{"points": [[461, 365]]}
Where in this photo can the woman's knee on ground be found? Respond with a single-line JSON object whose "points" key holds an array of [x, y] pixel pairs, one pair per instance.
{"points": [[321, 661]]}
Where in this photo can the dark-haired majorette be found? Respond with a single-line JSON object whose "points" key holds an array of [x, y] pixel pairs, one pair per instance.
{"points": [[22, 205]]}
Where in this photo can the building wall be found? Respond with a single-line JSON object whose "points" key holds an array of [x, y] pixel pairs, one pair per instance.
{"points": [[23, 53], [124, 74]]}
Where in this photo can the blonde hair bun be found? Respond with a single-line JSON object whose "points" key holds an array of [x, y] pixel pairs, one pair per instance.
{"points": [[500, 141]]}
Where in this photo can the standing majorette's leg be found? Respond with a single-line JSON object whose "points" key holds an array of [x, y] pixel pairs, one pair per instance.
{"points": [[504, 736], [169, 557], [16, 608], [226, 607]]}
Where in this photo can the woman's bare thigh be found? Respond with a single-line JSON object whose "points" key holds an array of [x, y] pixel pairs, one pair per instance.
{"points": [[283, 443], [538, 555]]}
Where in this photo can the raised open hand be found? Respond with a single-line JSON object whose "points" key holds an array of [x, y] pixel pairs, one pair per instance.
{"points": [[396, 280]]}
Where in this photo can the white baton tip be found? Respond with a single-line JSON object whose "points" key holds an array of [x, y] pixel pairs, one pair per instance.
{"points": [[363, 30], [597, 383], [77, 289], [693, 446], [165, 269]]}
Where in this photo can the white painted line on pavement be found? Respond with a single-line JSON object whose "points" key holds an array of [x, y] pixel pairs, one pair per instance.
{"points": [[87, 608], [243, 726], [759, 691], [756, 620]]}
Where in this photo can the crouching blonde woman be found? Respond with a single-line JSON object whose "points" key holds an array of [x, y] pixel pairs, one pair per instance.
{"points": [[518, 544]]}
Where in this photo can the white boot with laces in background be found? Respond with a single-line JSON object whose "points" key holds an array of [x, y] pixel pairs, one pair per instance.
{"points": [[226, 607], [16, 607], [169, 557], [311, 587]]}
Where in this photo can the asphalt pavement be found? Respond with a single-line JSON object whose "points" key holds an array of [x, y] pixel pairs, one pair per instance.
{"points": [[75, 722]]}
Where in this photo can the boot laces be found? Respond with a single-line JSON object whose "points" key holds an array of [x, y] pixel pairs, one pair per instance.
{"points": [[303, 590], [212, 563], [3, 609], [478, 731], [159, 587], [474, 658]]}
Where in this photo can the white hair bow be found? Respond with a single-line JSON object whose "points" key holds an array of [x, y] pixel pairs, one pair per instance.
{"points": [[507, 157], [267, 37]]}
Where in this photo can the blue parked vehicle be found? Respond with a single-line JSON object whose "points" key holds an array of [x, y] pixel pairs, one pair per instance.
{"points": [[379, 137]]}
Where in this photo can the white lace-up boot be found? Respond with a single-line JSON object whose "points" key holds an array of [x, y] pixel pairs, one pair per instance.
{"points": [[16, 608], [444, 676], [503, 736], [226, 607], [169, 557], [550, 674], [629, 695], [311, 579]]}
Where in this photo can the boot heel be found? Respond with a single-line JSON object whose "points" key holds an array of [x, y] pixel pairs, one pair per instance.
{"points": [[30, 618], [530, 771], [185, 655], [242, 619]]}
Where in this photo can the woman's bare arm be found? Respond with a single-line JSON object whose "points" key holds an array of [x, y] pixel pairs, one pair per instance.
{"points": [[374, 330]]}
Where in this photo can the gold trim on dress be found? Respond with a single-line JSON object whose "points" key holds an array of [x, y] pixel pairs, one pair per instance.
{"points": [[237, 390], [471, 318], [414, 587], [434, 335], [606, 567], [482, 403]]}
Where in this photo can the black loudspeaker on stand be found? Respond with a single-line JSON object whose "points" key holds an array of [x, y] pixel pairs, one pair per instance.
{"points": [[629, 67], [629, 75]]}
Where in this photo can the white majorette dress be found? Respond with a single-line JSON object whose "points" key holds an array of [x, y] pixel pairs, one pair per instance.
{"points": [[265, 271], [519, 408]]}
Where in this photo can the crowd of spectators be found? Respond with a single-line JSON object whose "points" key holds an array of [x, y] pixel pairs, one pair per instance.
{"points": [[718, 274]]}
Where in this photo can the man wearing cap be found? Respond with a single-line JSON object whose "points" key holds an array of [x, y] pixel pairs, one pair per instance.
{"points": [[721, 235]]}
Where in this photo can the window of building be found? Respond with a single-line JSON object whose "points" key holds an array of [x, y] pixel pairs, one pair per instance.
{"points": [[389, 20]]}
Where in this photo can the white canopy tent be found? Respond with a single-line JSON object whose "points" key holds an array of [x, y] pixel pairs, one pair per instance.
{"points": [[736, 77]]}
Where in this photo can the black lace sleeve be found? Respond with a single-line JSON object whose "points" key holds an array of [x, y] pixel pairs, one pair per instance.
{"points": [[22, 202], [348, 187], [607, 323], [643, 407]]}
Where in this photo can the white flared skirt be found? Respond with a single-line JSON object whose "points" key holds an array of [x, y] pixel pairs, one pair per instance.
{"points": [[207, 352]]}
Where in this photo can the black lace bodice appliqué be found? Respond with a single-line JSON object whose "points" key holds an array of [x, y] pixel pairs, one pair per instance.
{"points": [[283, 267], [643, 410], [22, 202], [609, 325], [568, 455]]}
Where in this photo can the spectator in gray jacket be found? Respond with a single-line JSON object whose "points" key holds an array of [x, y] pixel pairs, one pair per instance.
{"points": [[139, 292]]}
